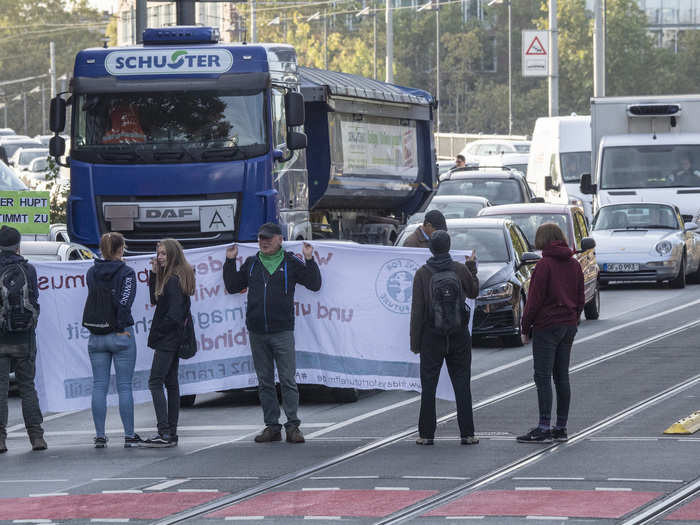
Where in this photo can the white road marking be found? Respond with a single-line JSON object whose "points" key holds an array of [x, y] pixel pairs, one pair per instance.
{"points": [[552, 518], [392, 488], [126, 479], [344, 477], [33, 480], [649, 480], [20, 426], [533, 488], [48, 494], [458, 478], [167, 484], [464, 517], [35, 520], [221, 443], [225, 477], [109, 520], [198, 490], [125, 491], [312, 489], [613, 489], [621, 438], [545, 478], [243, 518], [321, 517]]}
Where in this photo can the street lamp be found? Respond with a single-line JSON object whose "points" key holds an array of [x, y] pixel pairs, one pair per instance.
{"points": [[510, 65], [317, 16], [368, 11], [434, 5]]}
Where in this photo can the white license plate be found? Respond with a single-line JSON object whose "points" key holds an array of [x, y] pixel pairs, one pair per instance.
{"points": [[622, 267], [216, 218]]}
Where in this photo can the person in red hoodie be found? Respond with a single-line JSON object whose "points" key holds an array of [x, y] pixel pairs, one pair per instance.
{"points": [[554, 304]]}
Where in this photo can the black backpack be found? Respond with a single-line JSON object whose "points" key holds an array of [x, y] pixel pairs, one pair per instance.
{"points": [[100, 315], [17, 313], [446, 309]]}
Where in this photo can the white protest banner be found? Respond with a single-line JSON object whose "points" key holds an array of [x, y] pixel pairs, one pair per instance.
{"points": [[354, 333]]}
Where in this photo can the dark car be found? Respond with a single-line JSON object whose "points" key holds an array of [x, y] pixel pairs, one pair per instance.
{"points": [[503, 258], [497, 185], [571, 220]]}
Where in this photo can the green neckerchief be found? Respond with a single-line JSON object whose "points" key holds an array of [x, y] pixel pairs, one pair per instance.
{"points": [[271, 262]]}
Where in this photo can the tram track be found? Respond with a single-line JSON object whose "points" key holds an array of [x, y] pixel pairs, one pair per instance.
{"points": [[445, 496]]}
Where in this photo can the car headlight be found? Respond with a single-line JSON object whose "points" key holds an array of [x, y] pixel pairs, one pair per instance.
{"points": [[575, 202], [500, 291], [664, 248]]}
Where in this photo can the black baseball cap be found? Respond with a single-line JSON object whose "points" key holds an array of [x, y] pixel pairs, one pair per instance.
{"points": [[436, 219], [9, 238], [269, 230]]}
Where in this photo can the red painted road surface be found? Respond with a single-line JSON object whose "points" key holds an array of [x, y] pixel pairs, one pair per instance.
{"points": [[571, 503], [347, 503], [689, 512], [87, 506]]}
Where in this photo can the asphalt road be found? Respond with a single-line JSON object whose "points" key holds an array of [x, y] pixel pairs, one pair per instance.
{"points": [[635, 371]]}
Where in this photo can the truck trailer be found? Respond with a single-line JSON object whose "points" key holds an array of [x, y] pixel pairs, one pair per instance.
{"points": [[203, 141]]}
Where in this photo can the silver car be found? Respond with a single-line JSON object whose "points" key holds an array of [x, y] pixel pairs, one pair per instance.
{"points": [[35, 251], [645, 242]]}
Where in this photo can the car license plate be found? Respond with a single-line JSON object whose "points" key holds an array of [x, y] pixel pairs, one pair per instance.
{"points": [[216, 218], [622, 267]]}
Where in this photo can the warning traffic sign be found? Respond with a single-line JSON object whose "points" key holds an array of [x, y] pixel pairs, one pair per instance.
{"points": [[535, 50]]}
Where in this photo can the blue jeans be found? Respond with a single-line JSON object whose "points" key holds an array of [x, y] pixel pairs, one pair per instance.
{"points": [[122, 349], [269, 350]]}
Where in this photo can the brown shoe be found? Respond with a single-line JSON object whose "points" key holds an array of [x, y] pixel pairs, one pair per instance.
{"points": [[3, 445], [470, 440], [268, 434], [38, 443], [294, 435], [424, 441]]}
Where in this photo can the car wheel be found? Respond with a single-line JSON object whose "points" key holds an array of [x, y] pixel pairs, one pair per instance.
{"points": [[520, 338], [679, 280], [592, 307], [188, 400]]}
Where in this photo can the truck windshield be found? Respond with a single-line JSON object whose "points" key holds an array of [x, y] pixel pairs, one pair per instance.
{"points": [[673, 166], [201, 126], [574, 164]]}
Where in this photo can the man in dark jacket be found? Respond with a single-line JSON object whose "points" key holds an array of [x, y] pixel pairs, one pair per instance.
{"points": [[20, 347], [554, 304], [271, 276], [434, 220], [435, 348]]}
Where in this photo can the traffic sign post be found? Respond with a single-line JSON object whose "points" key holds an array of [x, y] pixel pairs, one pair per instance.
{"points": [[535, 52]]}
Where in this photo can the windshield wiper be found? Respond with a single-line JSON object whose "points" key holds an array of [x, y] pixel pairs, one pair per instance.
{"points": [[660, 227], [220, 153]]}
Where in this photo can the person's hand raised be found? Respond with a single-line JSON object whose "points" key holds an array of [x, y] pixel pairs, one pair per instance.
{"points": [[232, 251], [472, 257], [308, 251]]}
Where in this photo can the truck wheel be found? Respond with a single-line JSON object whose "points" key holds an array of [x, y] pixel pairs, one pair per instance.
{"points": [[188, 400], [592, 307], [679, 280]]}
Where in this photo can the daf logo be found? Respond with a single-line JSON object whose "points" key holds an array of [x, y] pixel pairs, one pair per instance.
{"points": [[168, 214]]}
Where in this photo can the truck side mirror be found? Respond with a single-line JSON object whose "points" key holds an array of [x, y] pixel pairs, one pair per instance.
{"points": [[296, 140], [57, 144], [549, 184], [586, 186], [57, 117], [294, 109]]}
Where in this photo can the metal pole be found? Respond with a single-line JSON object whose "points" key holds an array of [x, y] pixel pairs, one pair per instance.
{"points": [[325, 40], [553, 61], [598, 50], [389, 42], [24, 101], [437, 60], [43, 109], [253, 25], [5, 112], [185, 13], [52, 68], [374, 41], [141, 20], [510, 71]]}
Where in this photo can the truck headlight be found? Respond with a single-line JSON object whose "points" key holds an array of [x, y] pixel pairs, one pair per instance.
{"points": [[664, 248], [500, 291]]}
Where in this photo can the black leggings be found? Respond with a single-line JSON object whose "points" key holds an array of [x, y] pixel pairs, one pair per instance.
{"points": [[164, 371]]}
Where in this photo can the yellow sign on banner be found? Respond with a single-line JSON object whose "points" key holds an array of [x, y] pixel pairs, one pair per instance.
{"points": [[28, 211]]}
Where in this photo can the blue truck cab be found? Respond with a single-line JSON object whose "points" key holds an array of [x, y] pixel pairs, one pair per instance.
{"points": [[189, 138]]}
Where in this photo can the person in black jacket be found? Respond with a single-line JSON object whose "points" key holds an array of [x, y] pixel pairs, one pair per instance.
{"points": [[20, 347], [434, 348], [171, 284], [118, 346], [271, 276]]}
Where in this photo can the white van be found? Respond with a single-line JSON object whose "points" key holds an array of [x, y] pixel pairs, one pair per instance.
{"points": [[561, 149]]}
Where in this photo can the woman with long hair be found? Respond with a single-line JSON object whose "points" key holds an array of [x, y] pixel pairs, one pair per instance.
{"points": [[171, 284], [117, 283], [554, 304]]}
